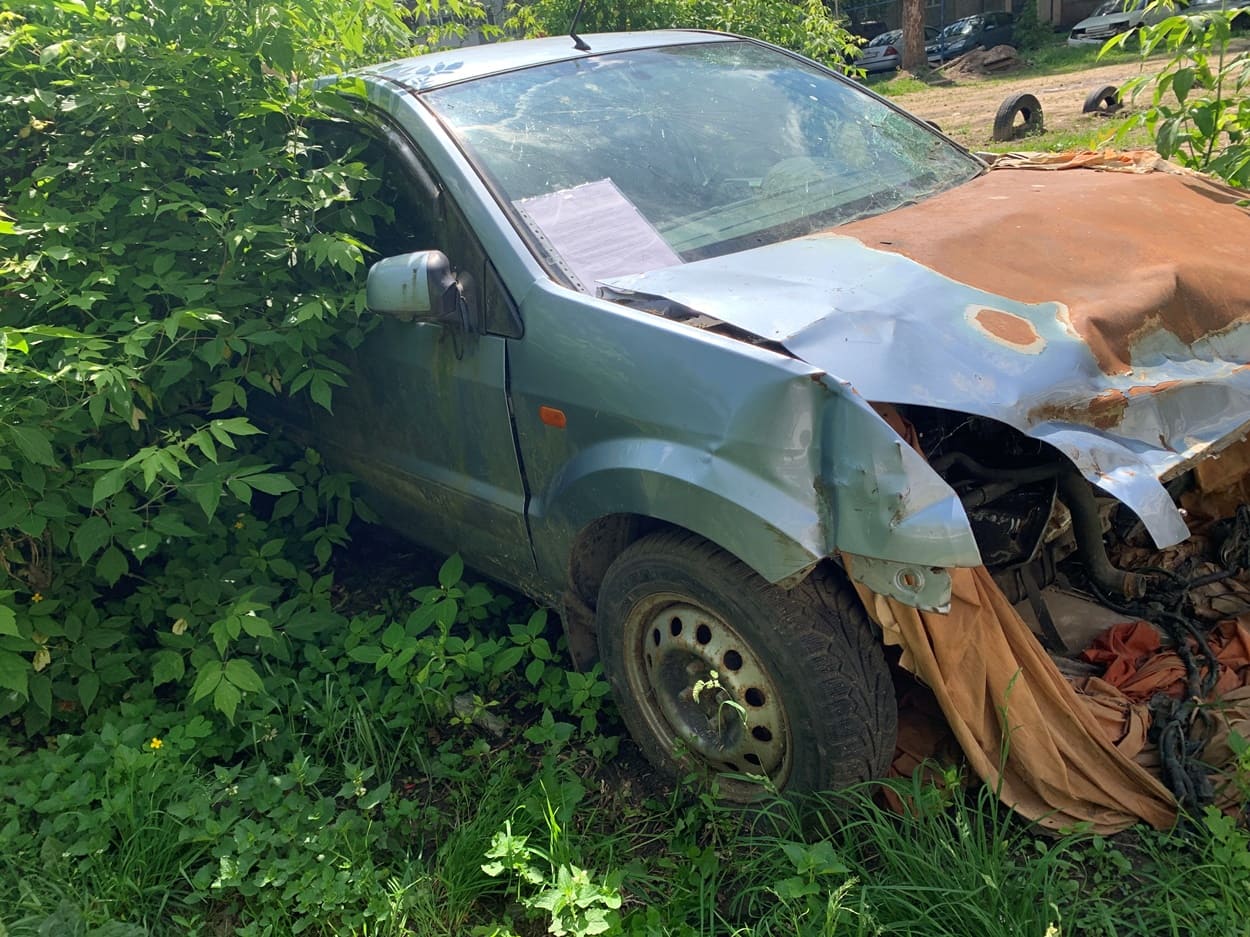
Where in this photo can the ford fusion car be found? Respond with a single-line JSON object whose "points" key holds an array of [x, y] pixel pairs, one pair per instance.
{"points": [[688, 337]]}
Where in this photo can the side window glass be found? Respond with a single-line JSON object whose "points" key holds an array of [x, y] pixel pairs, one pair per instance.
{"points": [[405, 209], [434, 222]]}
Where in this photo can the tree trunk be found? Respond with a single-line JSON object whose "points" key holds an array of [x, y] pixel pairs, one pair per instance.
{"points": [[914, 59]]}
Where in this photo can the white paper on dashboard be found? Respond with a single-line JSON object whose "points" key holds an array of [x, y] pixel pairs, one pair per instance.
{"points": [[597, 231]]}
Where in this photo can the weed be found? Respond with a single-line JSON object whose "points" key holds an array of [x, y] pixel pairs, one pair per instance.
{"points": [[1197, 113]]}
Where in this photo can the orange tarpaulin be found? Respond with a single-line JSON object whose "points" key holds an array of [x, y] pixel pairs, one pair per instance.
{"points": [[1022, 726]]}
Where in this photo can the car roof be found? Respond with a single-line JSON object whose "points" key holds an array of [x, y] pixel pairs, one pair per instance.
{"points": [[438, 69]]}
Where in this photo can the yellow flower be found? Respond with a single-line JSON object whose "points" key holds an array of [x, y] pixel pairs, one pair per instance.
{"points": [[238, 525], [155, 743], [37, 597]]}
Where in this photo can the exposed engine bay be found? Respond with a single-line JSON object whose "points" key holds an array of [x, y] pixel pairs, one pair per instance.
{"points": [[1039, 523], [1153, 636]]}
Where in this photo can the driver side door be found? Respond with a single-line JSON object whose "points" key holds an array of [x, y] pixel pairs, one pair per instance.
{"points": [[425, 419]]}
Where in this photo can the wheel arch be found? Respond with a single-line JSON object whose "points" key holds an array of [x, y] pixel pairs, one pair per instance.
{"points": [[613, 494], [594, 548]]}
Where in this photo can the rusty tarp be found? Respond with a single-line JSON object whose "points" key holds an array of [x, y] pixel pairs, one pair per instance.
{"points": [[1145, 263], [1138, 161]]}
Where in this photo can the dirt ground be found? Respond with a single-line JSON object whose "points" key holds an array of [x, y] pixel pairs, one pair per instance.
{"points": [[965, 109]]}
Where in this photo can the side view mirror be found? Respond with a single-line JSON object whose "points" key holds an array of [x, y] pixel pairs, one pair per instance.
{"points": [[419, 285]]}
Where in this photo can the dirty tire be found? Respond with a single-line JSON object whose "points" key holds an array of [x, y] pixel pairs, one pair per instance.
{"points": [[1102, 100], [1005, 120], [801, 691]]}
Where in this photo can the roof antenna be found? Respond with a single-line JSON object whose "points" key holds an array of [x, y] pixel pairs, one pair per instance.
{"points": [[578, 42]]}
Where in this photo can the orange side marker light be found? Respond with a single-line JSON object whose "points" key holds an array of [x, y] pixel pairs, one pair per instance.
{"points": [[553, 417]]}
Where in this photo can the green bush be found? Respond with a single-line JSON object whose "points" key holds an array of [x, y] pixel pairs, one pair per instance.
{"points": [[1199, 110], [1030, 32], [805, 26], [169, 253]]}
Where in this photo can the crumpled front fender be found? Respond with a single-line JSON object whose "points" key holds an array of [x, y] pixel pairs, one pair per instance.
{"points": [[856, 487]]}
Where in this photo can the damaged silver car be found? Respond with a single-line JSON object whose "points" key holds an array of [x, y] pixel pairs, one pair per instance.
{"points": [[650, 316]]}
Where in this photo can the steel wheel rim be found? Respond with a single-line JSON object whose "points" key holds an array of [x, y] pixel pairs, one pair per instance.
{"points": [[707, 692]]}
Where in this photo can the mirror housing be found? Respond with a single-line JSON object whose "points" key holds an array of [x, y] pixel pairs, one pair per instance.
{"points": [[417, 286]]}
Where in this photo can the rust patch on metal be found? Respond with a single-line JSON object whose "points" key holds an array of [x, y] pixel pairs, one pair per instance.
{"points": [[1102, 412], [1128, 255], [1143, 390], [1106, 410], [1007, 328]]}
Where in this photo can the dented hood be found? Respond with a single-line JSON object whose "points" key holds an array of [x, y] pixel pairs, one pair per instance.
{"points": [[1104, 313]]}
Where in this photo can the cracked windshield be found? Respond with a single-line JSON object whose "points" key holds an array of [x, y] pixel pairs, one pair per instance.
{"points": [[626, 162]]}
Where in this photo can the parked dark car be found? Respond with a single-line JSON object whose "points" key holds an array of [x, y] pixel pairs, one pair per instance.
{"points": [[981, 31]]}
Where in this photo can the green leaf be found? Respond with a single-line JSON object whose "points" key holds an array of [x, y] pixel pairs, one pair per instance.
{"points": [[226, 699], [167, 667], [450, 573], [91, 535], [33, 443], [207, 495], [1204, 117], [375, 796], [534, 671], [88, 689], [256, 626], [222, 430], [205, 443], [169, 523], [537, 623], [8, 621], [271, 484], [206, 680], [14, 673], [365, 654], [1182, 81], [219, 631], [283, 568], [506, 659], [320, 391], [243, 675], [32, 524], [112, 565], [107, 485], [41, 695], [51, 53]]}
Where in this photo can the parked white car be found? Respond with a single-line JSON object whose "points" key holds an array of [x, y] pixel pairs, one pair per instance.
{"points": [[1111, 19]]}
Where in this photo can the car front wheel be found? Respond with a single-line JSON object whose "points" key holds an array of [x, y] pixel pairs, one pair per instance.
{"points": [[715, 669]]}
